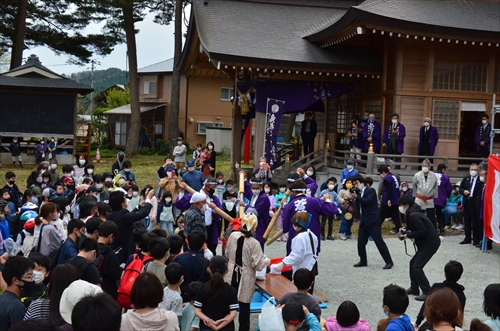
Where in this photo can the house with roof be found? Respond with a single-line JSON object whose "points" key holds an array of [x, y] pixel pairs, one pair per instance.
{"points": [[434, 58], [36, 102]]}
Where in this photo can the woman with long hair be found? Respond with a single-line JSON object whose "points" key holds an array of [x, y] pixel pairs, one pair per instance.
{"points": [[48, 308], [443, 310], [48, 230], [216, 303], [146, 294], [34, 182], [245, 258]]}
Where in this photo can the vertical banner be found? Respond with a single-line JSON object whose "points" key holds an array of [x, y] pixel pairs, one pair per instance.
{"points": [[274, 112], [492, 200]]}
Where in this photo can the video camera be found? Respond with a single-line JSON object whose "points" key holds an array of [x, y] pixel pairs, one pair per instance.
{"points": [[355, 190], [403, 231]]}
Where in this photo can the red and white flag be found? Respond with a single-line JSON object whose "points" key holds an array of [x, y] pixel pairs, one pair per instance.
{"points": [[492, 200]]}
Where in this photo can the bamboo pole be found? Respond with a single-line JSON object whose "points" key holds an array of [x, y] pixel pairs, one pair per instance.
{"points": [[275, 217]]}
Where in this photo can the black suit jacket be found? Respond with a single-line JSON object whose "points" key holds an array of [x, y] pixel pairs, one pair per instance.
{"points": [[368, 206], [466, 185], [313, 130]]}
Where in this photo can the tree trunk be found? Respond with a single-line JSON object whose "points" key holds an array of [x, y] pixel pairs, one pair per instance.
{"points": [[173, 123], [135, 118], [18, 40]]}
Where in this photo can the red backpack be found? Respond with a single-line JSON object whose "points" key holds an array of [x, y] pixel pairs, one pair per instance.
{"points": [[129, 276]]}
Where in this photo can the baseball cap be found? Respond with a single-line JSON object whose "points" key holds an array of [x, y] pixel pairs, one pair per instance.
{"points": [[190, 163], [350, 161], [292, 313], [92, 189], [68, 180], [50, 193], [73, 294]]}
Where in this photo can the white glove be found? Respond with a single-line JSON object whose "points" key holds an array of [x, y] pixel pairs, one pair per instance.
{"points": [[271, 213], [268, 261], [277, 267]]}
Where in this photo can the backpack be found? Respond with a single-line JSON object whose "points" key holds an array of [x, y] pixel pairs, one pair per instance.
{"points": [[53, 256], [132, 271]]}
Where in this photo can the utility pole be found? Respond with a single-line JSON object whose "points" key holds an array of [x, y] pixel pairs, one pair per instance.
{"points": [[92, 86]]}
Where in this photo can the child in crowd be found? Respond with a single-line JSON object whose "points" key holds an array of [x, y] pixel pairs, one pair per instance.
{"points": [[40, 272], [491, 305], [51, 148], [158, 248], [165, 214], [295, 316], [188, 321], [458, 217], [272, 200], [172, 300], [102, 194], [347, 319], [53, 170], [127, 172], [108, 186], [41, 149], [348, 171], [220, 188], [46, 181], [229, 199], [135, 198], [15, 152], [279, 222], [345, 199], [79, 167], [395, 303], [88, 172], [216, 303], [27, 242], [197, 152], [176, 243], [330, 190]]}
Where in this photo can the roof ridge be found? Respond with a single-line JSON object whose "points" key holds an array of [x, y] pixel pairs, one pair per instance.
{"points": [[153, 64]]}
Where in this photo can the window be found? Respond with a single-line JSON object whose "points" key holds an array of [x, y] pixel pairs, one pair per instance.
{"points": [[202, 126], [226, 93], [159, 128], [446, 119], [375, 107], [121, 133], [149, 87], [460, 77], [496, 81]]}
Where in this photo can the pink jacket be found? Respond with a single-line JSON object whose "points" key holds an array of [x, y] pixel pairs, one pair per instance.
{"points": [[332, 324]]}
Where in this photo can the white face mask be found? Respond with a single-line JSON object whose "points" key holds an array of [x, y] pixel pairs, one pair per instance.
{"points": [[482, 179], [82, 162], [121, 181], [135, 193], [261, 163], [169, 173], [229, 205], [404, 189], [427, 123], [220, 181], [282, 189], [199, 148], [204, 208], [107, 179], [53, 166], [90, 171], [110, 189], [255, 192], [267, 190], [67, 209], [331, 187], [484, 122], [473, 173], [168, 200], [126, 170], [394, 121], [309, 173], [210, 147], [229, 188], [350, 167], [425, 170], [39, 276], [179, 143], [98, 185], [402, 210], [191, 169]]}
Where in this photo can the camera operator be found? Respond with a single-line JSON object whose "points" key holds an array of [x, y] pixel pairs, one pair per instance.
{"points": [[423, 231], [365, 199]]}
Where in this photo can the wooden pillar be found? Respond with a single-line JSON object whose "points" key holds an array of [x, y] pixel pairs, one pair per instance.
{"points": [[236, 134], [259, 138]]}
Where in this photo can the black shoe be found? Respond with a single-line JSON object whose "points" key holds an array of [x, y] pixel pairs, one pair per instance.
{"points": [[360, 264], [421, 297], [329, 238], [322, 237], [463, 242], [412, 291], [388, 266], [441, 231]]}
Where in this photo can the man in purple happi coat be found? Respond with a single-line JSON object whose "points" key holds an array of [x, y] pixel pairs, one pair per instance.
{"points": [[429, 138], [300, 175], [394, 138], [390, 197], [260, 202], [371, 134], [444, 192], [314, 206], [211, 217], [482, 137]]}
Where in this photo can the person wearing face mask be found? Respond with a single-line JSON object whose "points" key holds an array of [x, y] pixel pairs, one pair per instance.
{"points": [[118, 164], [127, 173], [15, 152], [405, 190], [84, 261], [11, 187], [353, 139], [88, 172], [482, 137], [259, 201], [264, 171], [425, 189], [279, 221], [389, 198], [197, 152], [17, 272], [119, 181], [229, 199], [444, 192], [394, 304], [314, 206], [40, 272], [347, 205], [51, 234], [41, 149], [470, 188], [211, 217], [330, 190], [102, 194], [308, 131], [304, 248], [428, 140], [211, 158], [458, 217], [79, 167], [483, 170], [54, 174], [348, 171], [34, 181], [371, 134], [165, 214], [220, 188], [193, 178], [394, 138], [194, 219], [179, 154], [109, 268], [365, 199], [51, 148], [423, 232], [69, 249]]}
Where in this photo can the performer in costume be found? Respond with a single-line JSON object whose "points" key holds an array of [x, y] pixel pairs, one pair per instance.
{"points": [[260, 202], [183, 203], [300, 175]]}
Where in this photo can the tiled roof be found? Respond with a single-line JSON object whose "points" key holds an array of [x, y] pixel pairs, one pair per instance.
{"points": [[163, 66], [126, 109]]}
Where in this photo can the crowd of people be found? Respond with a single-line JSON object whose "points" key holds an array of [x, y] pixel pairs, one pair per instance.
{"points": [[86, 251]]}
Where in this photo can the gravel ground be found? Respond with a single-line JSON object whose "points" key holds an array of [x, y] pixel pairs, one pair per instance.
{"points": [[340, 281]]}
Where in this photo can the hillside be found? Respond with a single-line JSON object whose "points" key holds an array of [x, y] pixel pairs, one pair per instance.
{"points": [[102, 78]]}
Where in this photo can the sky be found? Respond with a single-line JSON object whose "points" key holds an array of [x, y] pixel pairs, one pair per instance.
{"points": [[155, 43]]}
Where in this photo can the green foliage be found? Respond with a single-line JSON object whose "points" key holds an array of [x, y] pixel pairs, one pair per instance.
{"points": [[4, 61], [226, 151], [103, 79]]}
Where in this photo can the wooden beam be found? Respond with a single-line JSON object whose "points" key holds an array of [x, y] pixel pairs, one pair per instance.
{"points": [[430, 69], [203, 65], [398, 78]]}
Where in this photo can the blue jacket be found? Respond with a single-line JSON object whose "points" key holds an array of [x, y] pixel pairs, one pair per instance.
{"points": [[346, 174], [193, 179], [68, 250], [402, 323], [311, 320]]}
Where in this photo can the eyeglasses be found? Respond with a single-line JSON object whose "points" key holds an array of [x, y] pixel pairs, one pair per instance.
{"points": [[28, 278]]}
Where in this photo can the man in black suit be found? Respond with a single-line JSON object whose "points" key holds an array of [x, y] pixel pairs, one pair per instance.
{"points": [[308, 133], [369, 225], [470, 188]]}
